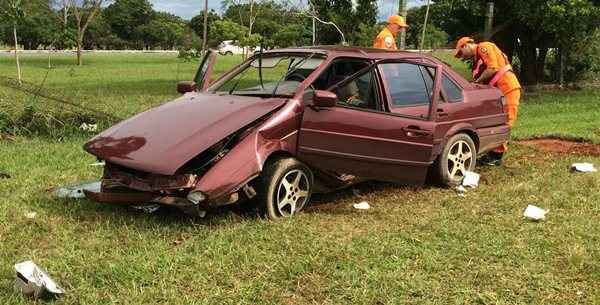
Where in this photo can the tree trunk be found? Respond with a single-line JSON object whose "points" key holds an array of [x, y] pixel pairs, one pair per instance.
{"points": [[17, 53], [541, 63], [205, 27], [79, 43], [561, 67], [528, 60]]}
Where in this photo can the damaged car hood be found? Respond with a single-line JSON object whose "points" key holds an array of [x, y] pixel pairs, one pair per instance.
{"points": [[164, 138]]}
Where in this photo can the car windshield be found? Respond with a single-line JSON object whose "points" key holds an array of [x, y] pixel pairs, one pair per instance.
{"points": [[271, 75]]}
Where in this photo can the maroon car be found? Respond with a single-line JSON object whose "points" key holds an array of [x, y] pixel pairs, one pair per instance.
{"points": [[291, 122]]}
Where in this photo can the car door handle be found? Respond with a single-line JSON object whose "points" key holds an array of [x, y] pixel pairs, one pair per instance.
{"points": [[441, 112], [415, 131]]}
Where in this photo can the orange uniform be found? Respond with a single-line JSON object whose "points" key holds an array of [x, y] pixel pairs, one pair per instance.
{"points": [[385, 40], [489, 56]]}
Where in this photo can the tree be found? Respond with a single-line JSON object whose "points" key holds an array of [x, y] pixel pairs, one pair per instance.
{"points": [[227, 30], [124, 16], [347, 15], [12, 11], [434, 36], [197, 25], [528, 29], [164, 30], [84, 11], [292, 35]]}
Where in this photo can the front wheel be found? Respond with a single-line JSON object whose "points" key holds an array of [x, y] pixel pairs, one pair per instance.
{"points": [[285, 187], [459, 156]]}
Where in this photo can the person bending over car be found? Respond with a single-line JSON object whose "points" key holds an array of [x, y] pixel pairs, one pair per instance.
{"points": [[492, 67]]}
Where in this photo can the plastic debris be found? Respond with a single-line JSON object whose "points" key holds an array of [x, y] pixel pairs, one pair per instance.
{"points": [[583, 167], [88, 127], [148, 209], [30, 215], [363, 205], [32, 280], [460, 191], [98, 164], [471, 179], [535, 213], [76, 191]]}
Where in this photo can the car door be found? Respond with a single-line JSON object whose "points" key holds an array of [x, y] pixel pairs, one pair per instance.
{"points": [[362, 137], [204, 73]]}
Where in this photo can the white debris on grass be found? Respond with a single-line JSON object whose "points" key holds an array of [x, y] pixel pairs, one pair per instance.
{"points": [[32, 280], [30, 215], [363, 205], [76, 191], [460, 191], [88, 127], [535, 213], [471, 179], [583, 167], [148, 209]]}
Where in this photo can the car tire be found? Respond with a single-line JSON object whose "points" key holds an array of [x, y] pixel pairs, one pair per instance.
{"points": [[229, 53], [284, 188], [459, 155]]}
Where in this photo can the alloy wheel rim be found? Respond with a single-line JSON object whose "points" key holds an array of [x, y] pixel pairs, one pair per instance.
{"points": [[292, 192], [460, 158]]}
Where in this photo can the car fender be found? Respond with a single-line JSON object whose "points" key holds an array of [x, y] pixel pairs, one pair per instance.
{"points": [[459, 128], [245, 161]]}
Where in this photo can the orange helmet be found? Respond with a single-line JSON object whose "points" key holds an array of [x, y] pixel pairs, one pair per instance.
{"points": [[461, 43], [395, 19]]}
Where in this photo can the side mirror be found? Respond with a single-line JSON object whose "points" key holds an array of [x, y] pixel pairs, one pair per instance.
{"points": [[186, 86], [324, 99]]}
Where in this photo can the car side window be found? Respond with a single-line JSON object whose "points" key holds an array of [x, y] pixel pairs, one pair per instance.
{"points": [[360, 92], [453, 91], [338, 71], [408, 88], [406, 84]]}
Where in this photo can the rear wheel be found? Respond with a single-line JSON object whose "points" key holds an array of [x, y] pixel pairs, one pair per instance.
{"points": [[228, 53], [458, 157], [284, 188]]}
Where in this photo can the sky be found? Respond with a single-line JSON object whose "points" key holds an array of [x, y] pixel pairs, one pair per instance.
{"points": [[190, 8]]}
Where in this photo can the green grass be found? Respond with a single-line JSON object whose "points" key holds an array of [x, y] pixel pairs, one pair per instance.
{"points": [[414, 246]]}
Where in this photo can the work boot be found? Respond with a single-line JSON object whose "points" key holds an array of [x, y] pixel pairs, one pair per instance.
{"points": [[491, 159]]}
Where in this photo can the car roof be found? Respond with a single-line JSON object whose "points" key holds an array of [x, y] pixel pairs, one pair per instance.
{"points": [[373, 53], [353, 51]]}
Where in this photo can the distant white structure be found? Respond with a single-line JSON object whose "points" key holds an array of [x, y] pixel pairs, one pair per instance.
{"points": [[228, 47]]}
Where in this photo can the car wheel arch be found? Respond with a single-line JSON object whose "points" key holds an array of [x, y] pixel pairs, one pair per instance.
{"points": [[463, 128], [274, 155]]}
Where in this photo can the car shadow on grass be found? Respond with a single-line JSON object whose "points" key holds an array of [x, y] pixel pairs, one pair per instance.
{"points": [[336, 203]]}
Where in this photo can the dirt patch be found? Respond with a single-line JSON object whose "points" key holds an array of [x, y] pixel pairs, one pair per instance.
{"points": [[564, 146]]}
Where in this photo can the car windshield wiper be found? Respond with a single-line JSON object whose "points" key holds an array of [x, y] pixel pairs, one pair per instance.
{"points": [[292, 70], [235, 85]]}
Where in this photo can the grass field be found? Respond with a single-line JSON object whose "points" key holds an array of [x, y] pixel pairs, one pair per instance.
{"points": [[414, 246]]}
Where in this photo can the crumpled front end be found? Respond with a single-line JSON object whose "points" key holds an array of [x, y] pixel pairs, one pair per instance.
{"points": [[220, 175]]}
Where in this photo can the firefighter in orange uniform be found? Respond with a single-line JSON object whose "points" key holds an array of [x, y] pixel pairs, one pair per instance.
{"points": [[491, 66], [387, 37]]}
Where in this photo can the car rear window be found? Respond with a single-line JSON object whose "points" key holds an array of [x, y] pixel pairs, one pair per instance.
{"points": [[453, 91]]}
